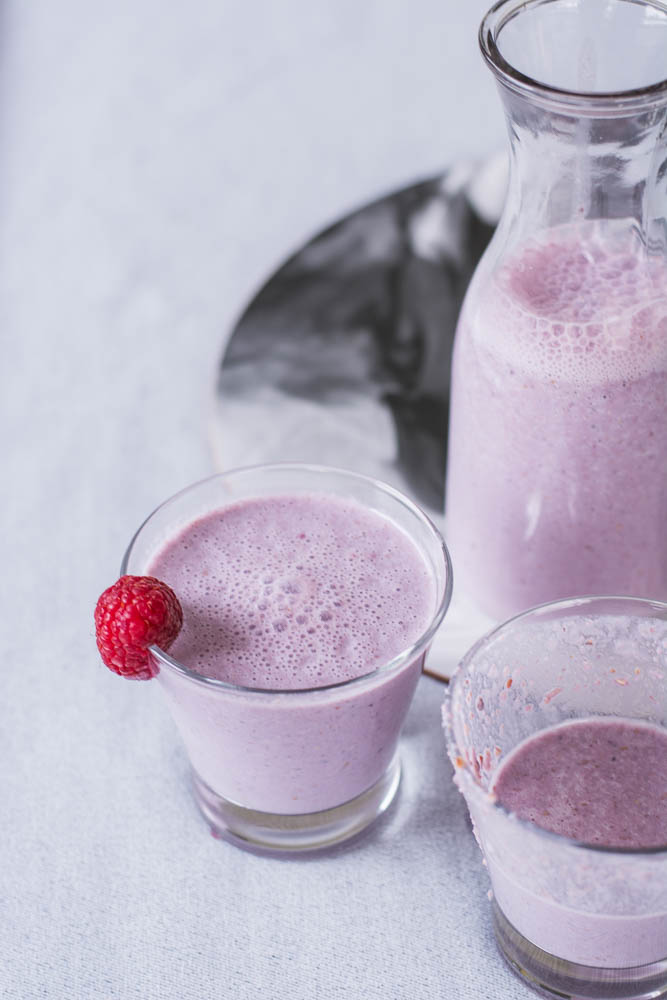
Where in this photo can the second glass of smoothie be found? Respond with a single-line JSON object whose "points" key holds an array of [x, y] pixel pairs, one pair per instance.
{"points": [[310, 598], [557, 729]]}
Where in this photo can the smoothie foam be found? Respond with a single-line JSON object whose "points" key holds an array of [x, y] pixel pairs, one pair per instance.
{"points": [[295, 592], [558, 441]]}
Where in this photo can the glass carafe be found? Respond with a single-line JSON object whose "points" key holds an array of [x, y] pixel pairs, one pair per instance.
{"points": [[557, 467]]}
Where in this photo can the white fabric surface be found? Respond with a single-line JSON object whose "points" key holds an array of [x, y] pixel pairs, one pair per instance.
{"points": [[157, 160]]}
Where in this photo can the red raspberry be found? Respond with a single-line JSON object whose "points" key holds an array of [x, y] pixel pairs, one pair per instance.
{"points": [[133, 614]]}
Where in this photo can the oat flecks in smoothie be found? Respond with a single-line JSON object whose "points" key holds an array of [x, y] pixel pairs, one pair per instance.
{"points": [[600, 781]]}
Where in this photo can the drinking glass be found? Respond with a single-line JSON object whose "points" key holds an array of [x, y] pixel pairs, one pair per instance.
{"points": [[572, 919], [298, 769]]}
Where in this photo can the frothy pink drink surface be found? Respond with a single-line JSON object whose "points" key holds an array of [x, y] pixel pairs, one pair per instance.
{"points": [[295, 592], [557, 476], [601, 781]]}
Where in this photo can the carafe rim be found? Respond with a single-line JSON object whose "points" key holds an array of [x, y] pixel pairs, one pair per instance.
{"points": [[580, 102]]}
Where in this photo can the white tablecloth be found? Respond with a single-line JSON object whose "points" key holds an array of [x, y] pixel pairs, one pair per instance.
{"points": [[157, 159]]}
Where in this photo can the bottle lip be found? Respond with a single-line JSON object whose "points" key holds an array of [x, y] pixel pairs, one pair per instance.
{"points": [[603, 103]]}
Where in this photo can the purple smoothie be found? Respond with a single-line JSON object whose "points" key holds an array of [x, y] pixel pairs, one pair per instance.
{"points": [[599, 781], [557, 476], [286, 594], [295, 592]]}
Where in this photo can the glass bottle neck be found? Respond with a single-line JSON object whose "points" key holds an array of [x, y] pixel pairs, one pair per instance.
{"points": [[568, 167]]}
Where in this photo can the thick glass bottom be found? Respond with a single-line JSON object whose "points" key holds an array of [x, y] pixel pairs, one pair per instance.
{"points": [[555, 977], [270, 833]]}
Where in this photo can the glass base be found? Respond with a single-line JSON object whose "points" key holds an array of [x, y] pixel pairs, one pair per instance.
{"points": [[555, 977], [271, 833]]}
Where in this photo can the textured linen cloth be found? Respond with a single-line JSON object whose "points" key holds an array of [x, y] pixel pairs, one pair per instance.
{"points": [[157, 160]]}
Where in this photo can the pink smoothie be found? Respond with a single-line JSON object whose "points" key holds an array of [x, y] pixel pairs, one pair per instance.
{"points": [[600, 781], [285, 594], [557, 477]]}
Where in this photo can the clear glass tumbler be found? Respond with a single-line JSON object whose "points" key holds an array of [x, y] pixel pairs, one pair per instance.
{"points": [[572, 919], [298, 769], [557, 461]]}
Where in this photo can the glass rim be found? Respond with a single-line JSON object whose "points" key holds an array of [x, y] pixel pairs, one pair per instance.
{"points": [[405, 656], [615, 101], [464, 772]]}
